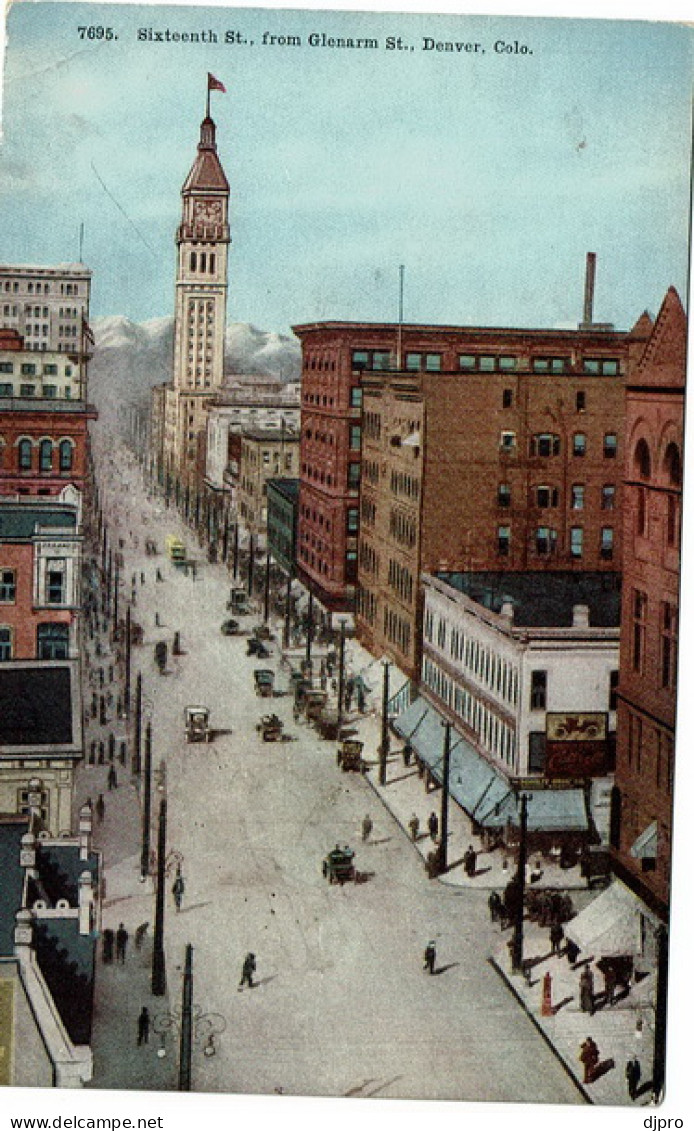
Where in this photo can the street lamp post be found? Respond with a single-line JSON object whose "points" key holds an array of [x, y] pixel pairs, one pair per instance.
{"points": [[443, 846], [236, 550], [659, 1045], [184, 1060], [158, 957], [137, 753], [287, 611], [384, 748], [126, 691], [251, 565], [341, 678], [266, 591], [146, 803], [517, 948], [309, 629]]}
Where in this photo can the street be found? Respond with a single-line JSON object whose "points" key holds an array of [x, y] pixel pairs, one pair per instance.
{"points": [[342, 1005]]}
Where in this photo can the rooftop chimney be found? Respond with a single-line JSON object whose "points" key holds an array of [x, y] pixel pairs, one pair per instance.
{"points": [[590, 290]]}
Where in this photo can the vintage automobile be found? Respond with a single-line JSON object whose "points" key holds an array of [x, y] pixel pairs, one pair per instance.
{"points": [[150, 548], [264, 680], [349, 755], [596, 865], [256, 647], [314, 702], [197, 722], [338, 865], [238, 602], [230, 628], [161, 653], [271, 728]]}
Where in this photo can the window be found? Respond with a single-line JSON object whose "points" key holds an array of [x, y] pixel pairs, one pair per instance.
{"points": [[668, 644], [5, 390], [52, 641], [432, 362], [608, 496], [8, 586], [45, 455], [503, 495], [6, 367], [24, 455], [578, 496], [642, 460], [27, 390], [538, 690], [549, 364], [507, 442], [487, 364], [355, 437], [352, 520], [545, 444], [545, 540], [537, 743], [547, 496], [503, 539], [55, 581], [50, 391], [580, 402], [579, 444], [467, 361], [507, 398], [614, 686], [5, 643], [355, 396], [601, 366], [640, 612], [193, 261], [607, 543], [576, 542], [65, 455], [609, 447], [353, 476], [507, 365], [28, 370]]}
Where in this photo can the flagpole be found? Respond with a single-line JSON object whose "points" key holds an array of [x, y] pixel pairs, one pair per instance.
{"points": [[208, 98]]}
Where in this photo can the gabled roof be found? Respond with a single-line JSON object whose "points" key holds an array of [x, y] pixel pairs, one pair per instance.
{"points": [[207, 172], [664, 357]]}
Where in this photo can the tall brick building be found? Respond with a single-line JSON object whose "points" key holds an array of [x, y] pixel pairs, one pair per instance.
{"points": [[642, 808]]}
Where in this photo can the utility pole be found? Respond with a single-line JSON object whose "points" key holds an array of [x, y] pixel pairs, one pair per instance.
{"points": [[659, 1035], [287, 612], [185, 1049], [116, 585], [309, 630], [443, 846], [341, 679], [137, 754], [126, 691], [146, 803], [236, 550], [517, 949], [158, 958], [251, 564], [266, 591], [384, 748]]}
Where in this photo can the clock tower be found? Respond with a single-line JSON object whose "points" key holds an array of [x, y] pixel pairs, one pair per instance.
{"points": [[202, 241]]}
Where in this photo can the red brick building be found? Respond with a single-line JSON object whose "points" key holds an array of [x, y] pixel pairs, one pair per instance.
{"points": [[642, 808]]}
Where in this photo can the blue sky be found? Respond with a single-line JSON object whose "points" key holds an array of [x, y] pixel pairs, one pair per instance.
{"points": [[488, 175]]}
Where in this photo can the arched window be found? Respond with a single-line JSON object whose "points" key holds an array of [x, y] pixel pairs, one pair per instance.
{"points": [[673, 465], [46, 455], [24, 455], [642, 460], [65, 455], [203, 265], [211, 263], [193, 261]]}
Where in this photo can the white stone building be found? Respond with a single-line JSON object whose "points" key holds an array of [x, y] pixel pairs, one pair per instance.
{"points": [[46, 305], [248, 402]]}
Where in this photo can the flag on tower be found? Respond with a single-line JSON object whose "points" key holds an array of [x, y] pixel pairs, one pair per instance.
{"points": [[215, 84]]}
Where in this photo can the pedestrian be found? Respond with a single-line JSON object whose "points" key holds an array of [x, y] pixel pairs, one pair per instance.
{"points": [[556, 937], [633, 1076], [610, 983], [586, 990], [140, 933], [92, 752], [361, 698], [100, 807], [433, 825], [121, 943], [413, 826], [102, 752], [572, 952], [366, 827], [248, 971], [470, 861], [430, 957], [590, 1058], [348, 693], [178, 889], [143, 1026], [494, 903], [159, 574], [142, 578], [112, 780], [407, 753], [107, 946]]}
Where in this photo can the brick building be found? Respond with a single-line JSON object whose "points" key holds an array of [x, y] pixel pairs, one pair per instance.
{"points": [[265, 454], [648, 659]]}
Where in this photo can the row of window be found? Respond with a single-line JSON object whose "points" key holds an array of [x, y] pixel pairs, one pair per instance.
{"points": [[546, 497], [668, 633], [42, 288], [52, 642], [401, 581], [487, 667], [405, 485], [545, 541], [548, 444], [202, 262], [369, 561], [32, 369], [46, 452], [397, 630], [55, 589], [376, 360], [403, 528], [495, 735]]}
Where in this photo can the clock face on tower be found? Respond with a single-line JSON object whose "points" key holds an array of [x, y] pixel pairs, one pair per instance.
{"points": [[208, 211]]}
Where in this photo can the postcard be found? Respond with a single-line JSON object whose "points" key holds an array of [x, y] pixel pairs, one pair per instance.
{"points": [[342, 386]]}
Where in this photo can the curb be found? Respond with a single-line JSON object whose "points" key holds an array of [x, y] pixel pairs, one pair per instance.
{"points": [[569, 1071]]}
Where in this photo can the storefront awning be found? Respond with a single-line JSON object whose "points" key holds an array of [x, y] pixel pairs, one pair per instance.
{"points": [[645, 847], [482, 791], [609, 927]]}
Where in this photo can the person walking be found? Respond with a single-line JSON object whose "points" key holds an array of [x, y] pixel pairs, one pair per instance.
{"points": [[632, 1072], [247, 971], [100, 808], [590, 1058], [112, 780], [143, 1026], [121, 943], [407, 753], [470, 861], [494, 904], [366, 827], [178, 889], [413, 826], [433, 825], [556, 937], [586, 988], [430, 957]]}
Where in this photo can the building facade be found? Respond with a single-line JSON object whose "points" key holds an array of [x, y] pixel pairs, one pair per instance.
{"points": [[282, 522], [265, 454], [648, 662], [48, 306], [202, 241], [247, 402]]}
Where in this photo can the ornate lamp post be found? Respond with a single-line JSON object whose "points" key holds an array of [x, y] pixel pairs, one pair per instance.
{"points": [[191, 1024]]}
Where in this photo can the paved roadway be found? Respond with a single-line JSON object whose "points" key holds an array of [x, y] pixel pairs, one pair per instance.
{"points": [[342, 1006]]}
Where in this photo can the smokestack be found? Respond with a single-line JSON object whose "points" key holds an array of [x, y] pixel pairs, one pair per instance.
{"points": [[590, 289]]}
